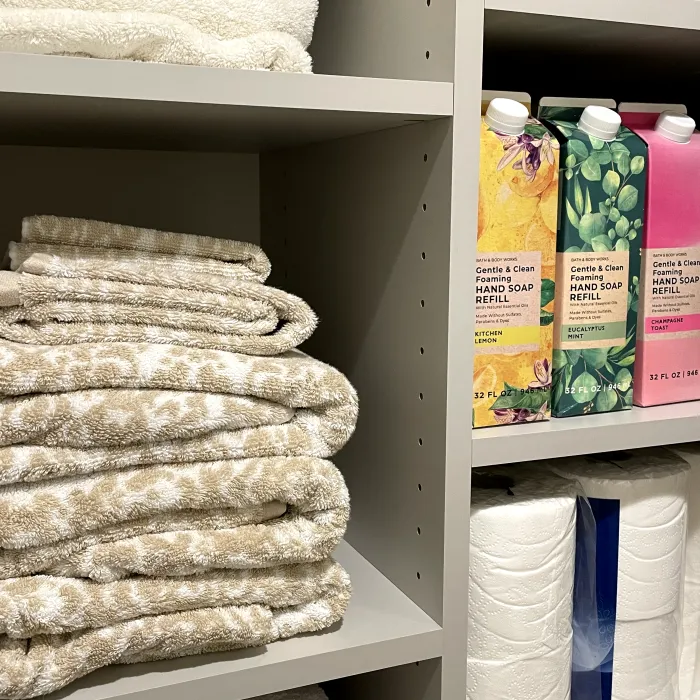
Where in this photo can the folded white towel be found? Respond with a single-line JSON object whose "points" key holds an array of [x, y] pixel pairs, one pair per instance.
{"points": [[145, 36], [220, 19]]}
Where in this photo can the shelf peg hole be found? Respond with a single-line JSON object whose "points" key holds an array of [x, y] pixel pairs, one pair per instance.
{"points": [[422, 350], [420, 487], [427, 2], [423, 255], [418, 530], [425, 157], [420, 441], [427, 55], [422, 303], [418, 575], [425, 206], [420, 395]]}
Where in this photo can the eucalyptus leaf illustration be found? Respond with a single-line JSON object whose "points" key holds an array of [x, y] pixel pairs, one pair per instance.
{"points": [[617, 151], [583, 388], [590, 226], [546, 318], [637, 165], [623, 379], [578, 197], [579, 148], [623, 164], [601, 244], [591, 170], [622, 226], [573, 249], [597, 143], [546, 292], [559, 359], [611, 183], [571, 213], [573, 356], [603, 208], [595, 357], [589, 205], [622, 244], [602, 157], [615, 214], [627, 199], [606, 401], [570, 160]]}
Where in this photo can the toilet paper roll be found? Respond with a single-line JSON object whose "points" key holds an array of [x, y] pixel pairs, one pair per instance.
{"points": [[546, 677], [689, 681], [651, 486], [521, 568], [645, 663]]}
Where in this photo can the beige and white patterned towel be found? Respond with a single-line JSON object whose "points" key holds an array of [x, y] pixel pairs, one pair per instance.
{"points": [[60, 231], [133, 395], [82, 281], [63, 629], [240, 316], [174, 520]]}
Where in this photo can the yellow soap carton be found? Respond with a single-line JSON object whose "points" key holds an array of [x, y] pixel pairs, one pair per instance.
{"points": [[516, 253]]}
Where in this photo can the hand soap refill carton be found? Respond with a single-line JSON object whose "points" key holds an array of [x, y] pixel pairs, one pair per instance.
{"points": [[516, 253], [598, 257], [668, 334]]}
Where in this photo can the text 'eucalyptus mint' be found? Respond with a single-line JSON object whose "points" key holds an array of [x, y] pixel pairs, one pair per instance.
{"points": [[599, 238]]}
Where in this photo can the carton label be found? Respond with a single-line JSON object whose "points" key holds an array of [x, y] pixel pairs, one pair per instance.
{"points": [[671, 293], [591, 302], [508, 288]]}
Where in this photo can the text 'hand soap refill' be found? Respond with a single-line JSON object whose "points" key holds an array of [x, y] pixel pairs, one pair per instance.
{"points": [[598, 259], [516, 246]]}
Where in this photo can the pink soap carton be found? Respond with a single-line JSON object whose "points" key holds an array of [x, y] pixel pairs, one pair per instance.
{"points": [[668, 332]]}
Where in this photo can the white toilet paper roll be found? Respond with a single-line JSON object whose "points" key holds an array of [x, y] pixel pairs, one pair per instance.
{"points": [[546, 677], [651, 486], [645, 663], [690, 650], [521, 569]]}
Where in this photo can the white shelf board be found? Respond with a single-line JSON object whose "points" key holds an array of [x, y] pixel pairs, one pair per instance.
{"points": [[62, 100], [679, 14], [562, 437], [382, 628]]}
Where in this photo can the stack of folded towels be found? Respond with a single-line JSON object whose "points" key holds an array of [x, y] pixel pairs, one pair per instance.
{"points": [[164, 483], [252, 34]]}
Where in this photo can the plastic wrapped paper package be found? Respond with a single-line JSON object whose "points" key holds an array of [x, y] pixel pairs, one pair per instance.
{"points": [[521, 575], [639, 502], [690, 651]]}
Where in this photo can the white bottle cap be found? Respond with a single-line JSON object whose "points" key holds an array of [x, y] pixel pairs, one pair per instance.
{"points": [[600, 122], [507, 116], [675, 127]]}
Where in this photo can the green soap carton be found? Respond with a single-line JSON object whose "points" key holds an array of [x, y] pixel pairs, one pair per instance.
{"points": [[601, 217]]}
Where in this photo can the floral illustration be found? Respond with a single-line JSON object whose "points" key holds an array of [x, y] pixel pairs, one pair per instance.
{"points": [[528, 151], [526, 405], [543, 375]]}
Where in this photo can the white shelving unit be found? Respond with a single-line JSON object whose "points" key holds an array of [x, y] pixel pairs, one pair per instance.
{"points": [[680, 14], [361, 182]]}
